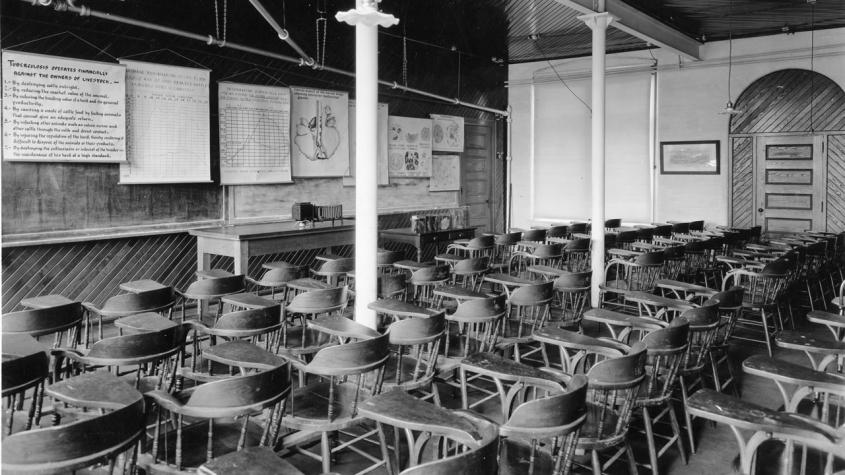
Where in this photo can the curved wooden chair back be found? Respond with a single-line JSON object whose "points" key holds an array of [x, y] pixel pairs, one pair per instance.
{"points": [[572, 281], [547, 251], [662, 230], [507, 239], [680, 228], [609, 241], [471, 266], [534, 235], [612, 223], [479, 460], [392, 286], [612, 386], [337, 266], [351, 358], [648, 259], [645, 233], [131, 303], [479, 322], [237, 396], [551, 416], [532, 295], [417, 343], [215, 288], [577, 244], [529, 307], [481, 242], [385, 259], [279, 276], [560, 231], [625, 238], [430, 275], [360, 363], [666, 349], [577, 228], [66, 448], [573, 290], [703, 328], [20, 375], [729, 303], [425, 280], [576, 254], [319, 301], [137, 348], [247, 324], [60, 320]]}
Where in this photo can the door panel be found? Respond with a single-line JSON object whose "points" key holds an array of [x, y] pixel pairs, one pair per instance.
{"points": [[790, 183], [476, 174]]}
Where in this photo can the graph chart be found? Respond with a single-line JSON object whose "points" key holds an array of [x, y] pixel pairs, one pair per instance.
{"points": [[254, 134]]}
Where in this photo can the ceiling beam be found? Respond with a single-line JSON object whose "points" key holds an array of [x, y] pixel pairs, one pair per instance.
{"points": [[639, 24]]}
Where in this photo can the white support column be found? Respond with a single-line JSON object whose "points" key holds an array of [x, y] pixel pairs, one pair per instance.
{"points": [[366, 18], [598, 23]]}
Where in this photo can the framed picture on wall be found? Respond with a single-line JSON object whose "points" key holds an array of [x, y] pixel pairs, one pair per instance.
{"points": [[689, 158]]}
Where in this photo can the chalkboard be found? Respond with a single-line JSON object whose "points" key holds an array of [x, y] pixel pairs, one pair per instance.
{"points": [[44, 197]]}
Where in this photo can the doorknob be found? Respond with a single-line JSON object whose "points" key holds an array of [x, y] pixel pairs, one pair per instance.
{"points": [[759, 210]]}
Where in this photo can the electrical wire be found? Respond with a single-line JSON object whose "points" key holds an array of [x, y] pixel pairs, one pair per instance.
{"points": [[560, 78]]}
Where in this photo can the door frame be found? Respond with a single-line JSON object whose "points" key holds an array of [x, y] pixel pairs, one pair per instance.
{"points": [[493, 149], [819, 186]]}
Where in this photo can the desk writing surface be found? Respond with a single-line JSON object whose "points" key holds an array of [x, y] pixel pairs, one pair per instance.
{"points": [[265, 230]]}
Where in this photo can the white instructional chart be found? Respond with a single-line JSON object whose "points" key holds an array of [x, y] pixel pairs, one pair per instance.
{"points": [[254, 134], [409, 147], [62, 109], [319, 132], [447, 133], [167, 124], [381, 152]]}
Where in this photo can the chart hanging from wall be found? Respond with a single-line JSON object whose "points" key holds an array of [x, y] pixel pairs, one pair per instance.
{"points": [[445, 173], [381, 144], [319, 132], [167, 123], [62, 109], [409, 147], [254, 138], [447, 133]]}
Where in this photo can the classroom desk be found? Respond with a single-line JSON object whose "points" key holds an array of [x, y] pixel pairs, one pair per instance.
{"points": [[246, 240], [420, 240]]}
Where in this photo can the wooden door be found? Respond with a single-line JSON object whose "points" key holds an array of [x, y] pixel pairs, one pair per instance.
{"points": [[790, 183], [476, 173]]}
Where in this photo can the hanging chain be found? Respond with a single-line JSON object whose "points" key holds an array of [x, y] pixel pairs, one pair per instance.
{"points": [[216, 20], [225, 17], [404, 60], [321, 26]]}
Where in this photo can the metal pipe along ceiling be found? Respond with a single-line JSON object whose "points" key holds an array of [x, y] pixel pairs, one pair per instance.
{"points": [[211, 40]]}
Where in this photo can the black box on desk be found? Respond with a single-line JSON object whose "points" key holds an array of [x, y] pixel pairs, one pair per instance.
{"points": [[303, 211]]}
